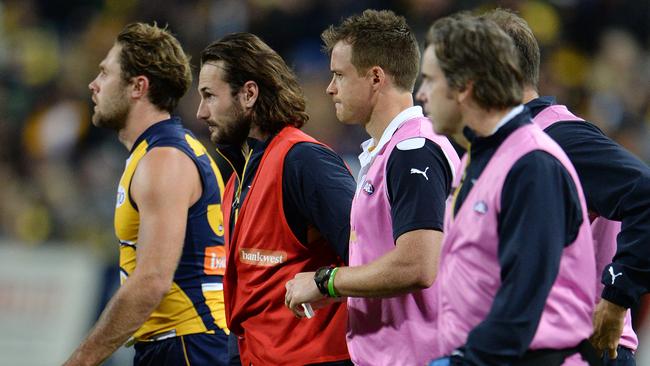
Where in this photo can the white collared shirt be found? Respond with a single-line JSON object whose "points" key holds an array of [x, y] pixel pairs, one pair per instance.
{"points": [[370, 149], [510, 115]]}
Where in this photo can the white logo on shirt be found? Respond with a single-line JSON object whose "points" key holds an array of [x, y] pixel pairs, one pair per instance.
{"points": [[611, 272], [418, 171], [481, 207], [121, 196], [368, 188]]}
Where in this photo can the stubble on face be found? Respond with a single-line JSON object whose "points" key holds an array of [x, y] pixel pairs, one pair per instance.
{"points": [[233, 127], [109, 93], [113, 111]]}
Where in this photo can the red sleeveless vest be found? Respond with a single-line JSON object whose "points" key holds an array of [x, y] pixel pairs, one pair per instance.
{"points": [[262, 255]]}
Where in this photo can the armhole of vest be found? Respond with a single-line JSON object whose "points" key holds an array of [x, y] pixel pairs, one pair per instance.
{"points": [[135, 205], [386, 183], [128, 191], [499, 199], [195, 159], [281, 190], [390, 155], [584, 211], [450, 163], [190, 154], [280, 193]]}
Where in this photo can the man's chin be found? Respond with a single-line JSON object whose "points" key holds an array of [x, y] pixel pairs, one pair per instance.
{"points": [[345, 120], [216, 139], [100, 122], [219, 139]]}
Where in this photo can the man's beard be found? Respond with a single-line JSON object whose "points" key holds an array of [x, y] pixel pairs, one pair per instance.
{"points": [[235, 130], [115, 117]]}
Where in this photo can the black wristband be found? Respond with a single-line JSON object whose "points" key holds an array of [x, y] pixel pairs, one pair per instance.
{"points": [[321, 277]]}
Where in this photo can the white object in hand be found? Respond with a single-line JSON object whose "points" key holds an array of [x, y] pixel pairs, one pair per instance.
{"points": [[309, 312]]}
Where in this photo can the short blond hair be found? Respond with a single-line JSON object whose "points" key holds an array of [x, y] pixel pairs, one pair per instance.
{"points": [[155, 53]]}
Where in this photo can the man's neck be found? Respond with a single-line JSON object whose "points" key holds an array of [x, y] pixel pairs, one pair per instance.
{"points": [[530, 93], [139, 119], [257, 134], [387, 107], [483, 122]]}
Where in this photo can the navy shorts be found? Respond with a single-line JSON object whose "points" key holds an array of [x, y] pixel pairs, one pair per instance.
{"points": [[200, 349], [625, 358]]}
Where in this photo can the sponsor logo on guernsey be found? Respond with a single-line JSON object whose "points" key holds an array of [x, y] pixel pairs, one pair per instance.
{"points": [[121, 196], [215, 260], [368, 188], [481, 207], [611, 272], [418, 171], [262, 257]]}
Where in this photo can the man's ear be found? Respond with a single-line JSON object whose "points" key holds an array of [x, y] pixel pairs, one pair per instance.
{"points": [[463, 96], [248, 94], [139, 86], [377, 77]]}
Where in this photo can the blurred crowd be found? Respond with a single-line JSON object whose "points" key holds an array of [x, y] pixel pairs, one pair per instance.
{"points": [[59, 174]]}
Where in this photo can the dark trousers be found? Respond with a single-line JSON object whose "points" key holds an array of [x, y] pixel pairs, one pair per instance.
{"points": [[233, 351], [194, 349]]}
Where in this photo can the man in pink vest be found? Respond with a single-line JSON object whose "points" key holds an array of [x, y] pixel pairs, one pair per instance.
{"points": [[511, 286], [616, 186], [398, 208]]}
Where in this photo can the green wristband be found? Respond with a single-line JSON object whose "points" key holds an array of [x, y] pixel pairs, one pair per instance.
{"points": [[330, 283]]}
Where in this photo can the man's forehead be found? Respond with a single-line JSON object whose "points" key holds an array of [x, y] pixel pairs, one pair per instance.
{"points": [[341, 54], [213, 68], [211, 72], [112, 55], [342, 49]]}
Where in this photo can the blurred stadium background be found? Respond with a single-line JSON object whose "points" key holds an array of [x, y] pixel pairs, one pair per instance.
{"points": [[58, 254]]}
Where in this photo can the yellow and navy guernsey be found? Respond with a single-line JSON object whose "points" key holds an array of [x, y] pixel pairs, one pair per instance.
{"points": [[194, 304]]}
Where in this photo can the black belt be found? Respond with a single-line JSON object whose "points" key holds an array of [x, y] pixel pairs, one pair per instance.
{"points": [[556, 357]]}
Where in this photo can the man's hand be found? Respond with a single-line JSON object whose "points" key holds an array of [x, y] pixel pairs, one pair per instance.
{"points": [[609, 319], [302, 289]]}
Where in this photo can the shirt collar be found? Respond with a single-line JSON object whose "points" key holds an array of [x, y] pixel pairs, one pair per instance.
{"points": [[510, 115], [154, 128], [539, 104], [370, 149], [479, 144]]}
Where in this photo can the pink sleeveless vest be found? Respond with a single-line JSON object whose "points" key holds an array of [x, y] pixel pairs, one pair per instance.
{"points": [[469, 275], [604, 231], [398, 330]]}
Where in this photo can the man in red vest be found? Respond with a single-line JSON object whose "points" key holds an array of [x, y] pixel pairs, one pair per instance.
{"points": [[286, 209]]}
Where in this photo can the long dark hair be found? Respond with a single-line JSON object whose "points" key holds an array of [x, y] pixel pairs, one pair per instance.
{"points": [[247, 58]]}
